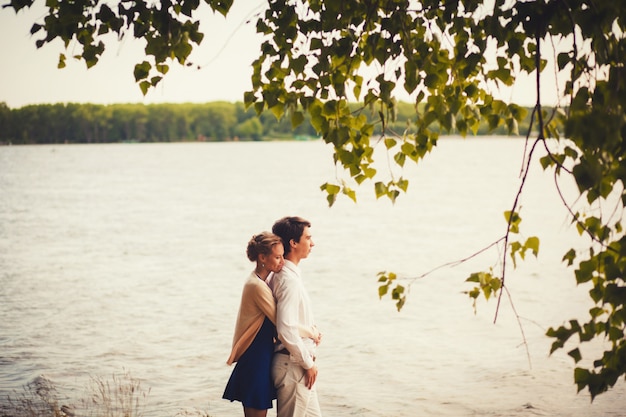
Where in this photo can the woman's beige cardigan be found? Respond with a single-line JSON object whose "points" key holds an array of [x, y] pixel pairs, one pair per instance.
{"points": [[257, 302]]}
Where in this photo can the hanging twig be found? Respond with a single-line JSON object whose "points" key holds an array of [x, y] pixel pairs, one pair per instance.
{"points": [[452, 264], [521, 327], [540, 137]]}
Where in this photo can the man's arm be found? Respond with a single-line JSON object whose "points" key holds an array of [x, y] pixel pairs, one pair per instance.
{"points": [[287, 293]]}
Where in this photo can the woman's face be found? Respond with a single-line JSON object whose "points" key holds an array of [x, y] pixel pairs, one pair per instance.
{"points": [[274, 261]]}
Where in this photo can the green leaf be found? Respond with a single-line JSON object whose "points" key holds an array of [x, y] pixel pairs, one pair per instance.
{"points": [[144, 86], [581, 378], [390, 143], [278, 110], [473, 278], [349, 192], [580, 100], [403, 184], [142, 71], [296, 119], [382, 290], [532, 243], [516, 247], [220, 6], [563, 59], [431, 80], [155, 80], [411, 76], [298, 64], [380, 189], [546, 162], [400, 158], [513, 220], [575, 354], [162, 68], [585, 271], [369, 172], [332, 190], [397, 292], [249, 98], [61, 63]]}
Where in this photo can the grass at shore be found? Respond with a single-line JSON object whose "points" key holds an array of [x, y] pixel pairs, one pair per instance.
{"points": [[121, 396]]}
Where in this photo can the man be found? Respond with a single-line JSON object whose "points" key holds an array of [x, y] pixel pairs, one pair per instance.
{"points": [[293, 367]]}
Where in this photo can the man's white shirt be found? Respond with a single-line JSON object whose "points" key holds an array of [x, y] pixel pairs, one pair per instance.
{"points": [[293, 312]]}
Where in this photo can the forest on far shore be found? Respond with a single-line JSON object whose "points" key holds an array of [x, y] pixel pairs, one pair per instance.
{"points": [[212, 121]]}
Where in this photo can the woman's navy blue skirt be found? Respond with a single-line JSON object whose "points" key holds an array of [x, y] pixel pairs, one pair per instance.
{"points": [[251, 380]]}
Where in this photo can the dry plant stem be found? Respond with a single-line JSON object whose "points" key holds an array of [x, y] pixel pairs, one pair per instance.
{"points": [[508, 226], [504, 256], [452, 264], [521, 327]]}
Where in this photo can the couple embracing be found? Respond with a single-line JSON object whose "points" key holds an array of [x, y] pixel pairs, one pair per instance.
{"points": [[275, 335]]}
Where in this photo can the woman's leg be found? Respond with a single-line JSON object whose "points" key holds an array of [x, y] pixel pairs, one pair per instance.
{"points": [[254, 412]]}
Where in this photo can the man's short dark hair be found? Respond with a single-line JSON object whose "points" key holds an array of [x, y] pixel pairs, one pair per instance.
{"points": [[289, 228]]}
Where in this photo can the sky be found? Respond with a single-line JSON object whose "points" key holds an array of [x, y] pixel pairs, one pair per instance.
{"points": [[30, 76]]}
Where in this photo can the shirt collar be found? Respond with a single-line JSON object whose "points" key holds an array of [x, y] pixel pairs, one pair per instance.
{"points": [[292, 267]]}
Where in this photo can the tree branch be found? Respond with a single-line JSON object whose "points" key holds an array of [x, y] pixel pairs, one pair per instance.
{"points": [[452, 264], [539, 138]]}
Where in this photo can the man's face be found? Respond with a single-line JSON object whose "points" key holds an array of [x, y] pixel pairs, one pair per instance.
{"points": [[304, 246]]}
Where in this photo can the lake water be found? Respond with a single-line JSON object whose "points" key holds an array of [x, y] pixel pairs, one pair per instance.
{"points": [[131, 258]]}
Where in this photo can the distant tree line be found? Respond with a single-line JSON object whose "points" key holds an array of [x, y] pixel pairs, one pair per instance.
{"points": [[214, 121]]}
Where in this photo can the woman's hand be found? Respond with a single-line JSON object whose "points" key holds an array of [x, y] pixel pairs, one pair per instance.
{"points": [[317, 336]]}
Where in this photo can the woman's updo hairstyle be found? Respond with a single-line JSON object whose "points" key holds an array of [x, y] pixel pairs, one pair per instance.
{"points": [[261, 244]]}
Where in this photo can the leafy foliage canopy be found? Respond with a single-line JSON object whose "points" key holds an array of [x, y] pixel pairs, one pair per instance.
{"points": [[320, 55]]}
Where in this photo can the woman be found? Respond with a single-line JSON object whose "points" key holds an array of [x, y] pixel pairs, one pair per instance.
{"points": [[253, 342]]}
